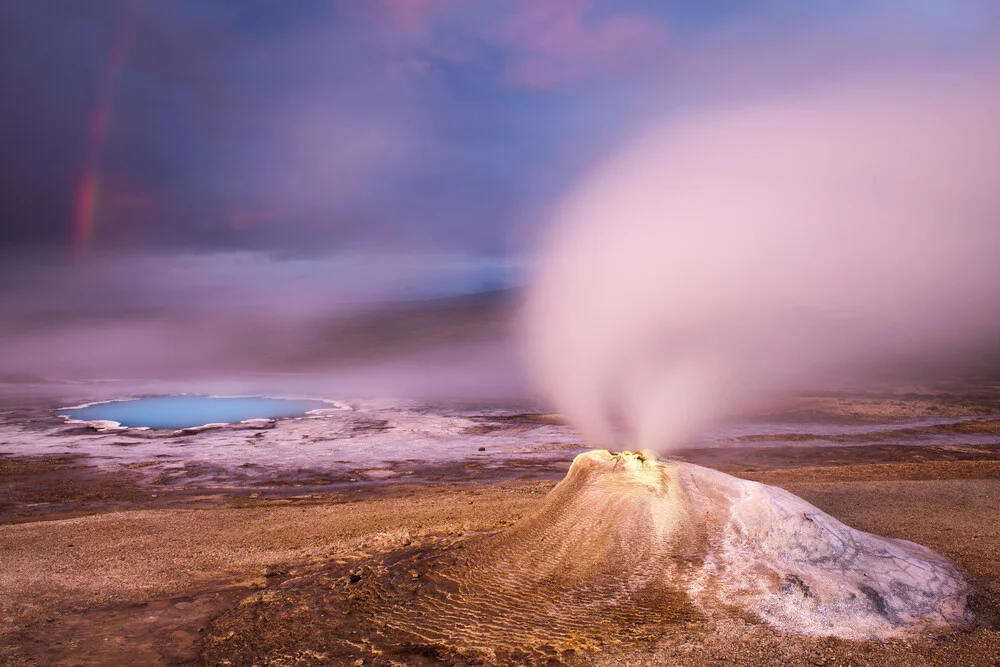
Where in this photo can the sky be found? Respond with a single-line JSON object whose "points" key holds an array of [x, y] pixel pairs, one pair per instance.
{"points": [[316, 127], [305, 128], [322, 151]]}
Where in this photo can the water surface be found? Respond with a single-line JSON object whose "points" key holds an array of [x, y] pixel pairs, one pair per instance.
{"points": [[173, 412]]}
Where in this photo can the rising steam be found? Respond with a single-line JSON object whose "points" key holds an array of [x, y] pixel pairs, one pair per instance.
{"points": [[728, 257]]}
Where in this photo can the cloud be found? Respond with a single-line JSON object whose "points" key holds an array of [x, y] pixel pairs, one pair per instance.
{"points": [[409, 18], [556, 43], [540, 45]]}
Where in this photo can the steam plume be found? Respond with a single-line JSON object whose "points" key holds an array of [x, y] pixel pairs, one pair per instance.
{"points": [[729, 256]]}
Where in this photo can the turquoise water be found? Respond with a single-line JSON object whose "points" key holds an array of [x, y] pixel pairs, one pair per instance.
{"points": [[188, 411]]}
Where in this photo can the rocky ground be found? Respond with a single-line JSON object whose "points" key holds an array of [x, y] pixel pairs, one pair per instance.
{"points": [[105, 564]]}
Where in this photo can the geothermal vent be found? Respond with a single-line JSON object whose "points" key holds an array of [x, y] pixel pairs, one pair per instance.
{"points": [[637, 532], [624, 547]]}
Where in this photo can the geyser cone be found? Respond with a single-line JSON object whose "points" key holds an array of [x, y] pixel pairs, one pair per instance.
{"points": [[776, 556], [620, 517], [650, 529], [624, 550]]}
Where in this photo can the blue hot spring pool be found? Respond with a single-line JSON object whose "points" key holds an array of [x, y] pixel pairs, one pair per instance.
{"points": [[175, 412]]}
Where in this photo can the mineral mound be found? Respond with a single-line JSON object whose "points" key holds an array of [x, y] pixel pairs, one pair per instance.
{"points": [[633, 529], [623, 547]]}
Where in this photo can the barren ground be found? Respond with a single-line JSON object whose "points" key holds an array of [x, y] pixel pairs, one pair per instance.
{"points": [[103, 567]]}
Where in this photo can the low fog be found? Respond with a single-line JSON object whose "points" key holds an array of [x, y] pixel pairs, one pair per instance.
{"points": [[392, 327]]}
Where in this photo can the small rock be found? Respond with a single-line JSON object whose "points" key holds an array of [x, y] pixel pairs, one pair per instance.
{"points": [[482, 449]]}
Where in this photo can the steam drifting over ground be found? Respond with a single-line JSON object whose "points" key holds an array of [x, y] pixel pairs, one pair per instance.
{"points": [[730, 256]]}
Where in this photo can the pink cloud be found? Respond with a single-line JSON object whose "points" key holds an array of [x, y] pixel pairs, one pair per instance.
{"points": [[408, 18], [546, 43], [409, 30], [556, 43]]}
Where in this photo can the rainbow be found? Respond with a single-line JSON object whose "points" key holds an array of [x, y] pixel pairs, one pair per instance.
{"points": [[88, 191]]}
